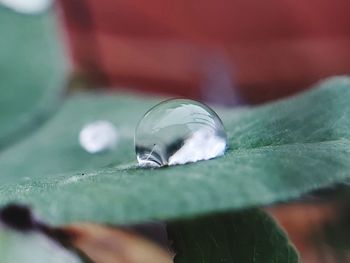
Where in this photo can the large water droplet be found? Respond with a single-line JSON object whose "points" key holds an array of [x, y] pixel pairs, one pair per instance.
{"points": [[98, 136], [179, 131]]}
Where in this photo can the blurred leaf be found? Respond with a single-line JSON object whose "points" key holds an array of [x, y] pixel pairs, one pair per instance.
{"points": [[104, 244], [248, 236], [29, 247], [32, 72], [277, 152]]}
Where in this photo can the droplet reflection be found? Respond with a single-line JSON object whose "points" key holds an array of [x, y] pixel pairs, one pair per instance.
{"points": [[179, 131]]}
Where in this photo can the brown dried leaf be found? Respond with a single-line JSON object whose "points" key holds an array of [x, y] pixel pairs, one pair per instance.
{"points": [[306, 225], [103, 244]]}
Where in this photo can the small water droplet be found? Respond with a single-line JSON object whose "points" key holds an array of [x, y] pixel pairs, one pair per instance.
{"points": [[179, 131], [30, 7], [98, 136]]}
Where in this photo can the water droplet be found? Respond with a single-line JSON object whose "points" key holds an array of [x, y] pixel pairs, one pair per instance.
{"points": [[98, 136], [179, 131]]}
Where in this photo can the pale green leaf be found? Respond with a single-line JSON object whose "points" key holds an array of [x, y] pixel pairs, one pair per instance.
{"points": [[30, 247], [32, 72]]}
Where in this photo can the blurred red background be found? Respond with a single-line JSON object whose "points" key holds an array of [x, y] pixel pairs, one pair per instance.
{"points": [[224, 51]]}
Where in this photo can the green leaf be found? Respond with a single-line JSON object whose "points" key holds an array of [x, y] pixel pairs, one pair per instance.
{"points": [[32, 73], [32, 247], [277, 152], [247, 236]]}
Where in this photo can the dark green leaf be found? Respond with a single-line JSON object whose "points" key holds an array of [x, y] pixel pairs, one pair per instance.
{"points": [[249, 236], [32, 72], [277, 152]]}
